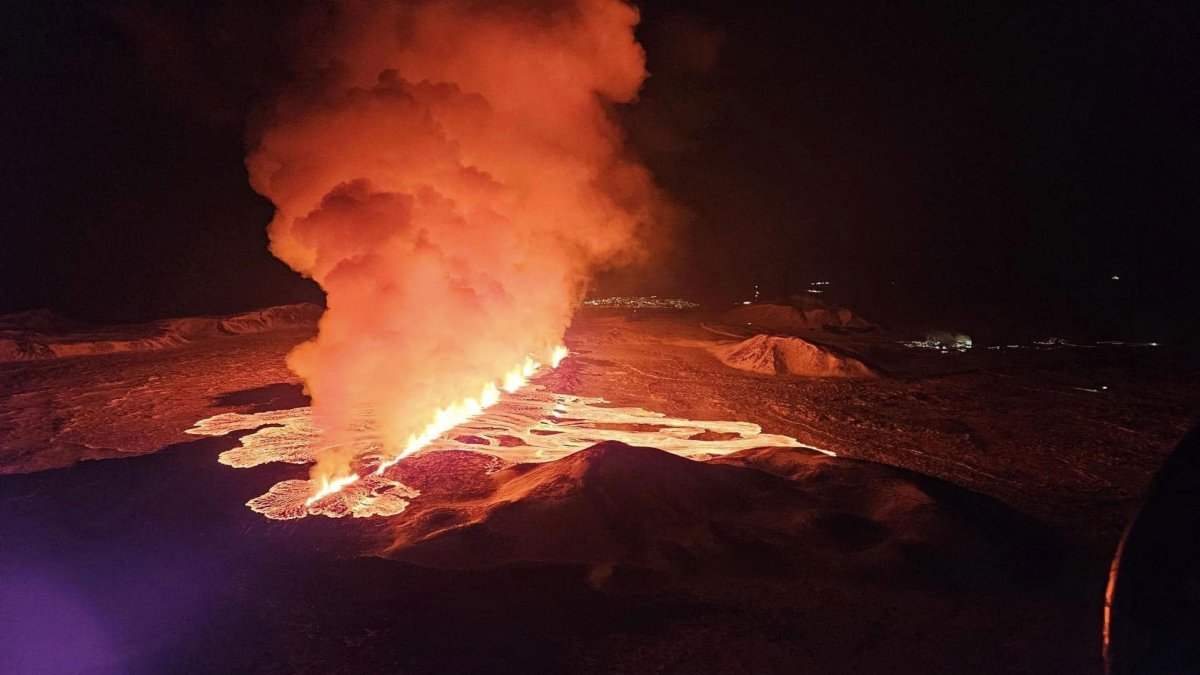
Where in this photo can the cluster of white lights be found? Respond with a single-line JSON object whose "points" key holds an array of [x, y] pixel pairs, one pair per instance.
{"points": [[641, 302]]}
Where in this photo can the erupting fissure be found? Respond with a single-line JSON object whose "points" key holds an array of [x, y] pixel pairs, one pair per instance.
{"points": [[452, 174], [445, 420], [533, 424]]}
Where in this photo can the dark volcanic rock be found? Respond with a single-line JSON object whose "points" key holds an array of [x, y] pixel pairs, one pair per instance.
{"points": [[774, 510]]}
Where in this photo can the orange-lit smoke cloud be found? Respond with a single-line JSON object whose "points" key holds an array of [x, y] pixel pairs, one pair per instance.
{"points": [[450, 174]]}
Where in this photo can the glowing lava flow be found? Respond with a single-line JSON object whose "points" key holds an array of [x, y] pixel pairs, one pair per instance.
{"points": [[533, 424], [330, 486], [446, 419]]}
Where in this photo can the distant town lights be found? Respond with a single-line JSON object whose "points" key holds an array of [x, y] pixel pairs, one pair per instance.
{"points": [[651, 302]]}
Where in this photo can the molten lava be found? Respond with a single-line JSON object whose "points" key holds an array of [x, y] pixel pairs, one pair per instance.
{"points": [[444, 420], [332, 485], [532, 424]]}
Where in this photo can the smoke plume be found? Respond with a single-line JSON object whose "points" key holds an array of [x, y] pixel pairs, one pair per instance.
{"points": [[450, 174]]}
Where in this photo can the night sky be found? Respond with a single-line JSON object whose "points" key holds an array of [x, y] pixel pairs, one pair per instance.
{"points": [[952, 159]]}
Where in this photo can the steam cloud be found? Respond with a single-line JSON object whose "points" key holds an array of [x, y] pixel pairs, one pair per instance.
{"points": [[450, 174]]}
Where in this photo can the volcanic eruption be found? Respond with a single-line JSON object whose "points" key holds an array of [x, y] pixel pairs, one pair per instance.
{"points": [[451, 175]]}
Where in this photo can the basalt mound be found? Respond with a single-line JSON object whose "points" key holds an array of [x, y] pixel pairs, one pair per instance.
{"points": [[765, 511], [937, 525], [775, 355]]}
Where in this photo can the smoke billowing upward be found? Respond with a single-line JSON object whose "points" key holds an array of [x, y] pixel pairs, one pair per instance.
{"points": [[449, 173]]}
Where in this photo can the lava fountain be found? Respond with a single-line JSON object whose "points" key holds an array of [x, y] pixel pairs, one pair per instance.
{"points": [[451, 175]]}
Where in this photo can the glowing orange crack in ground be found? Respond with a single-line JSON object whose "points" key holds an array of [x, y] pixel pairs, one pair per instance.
{"points": [[447, 419]]}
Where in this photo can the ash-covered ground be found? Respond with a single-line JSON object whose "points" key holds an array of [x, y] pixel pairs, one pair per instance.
{"points": [[965, 525]]}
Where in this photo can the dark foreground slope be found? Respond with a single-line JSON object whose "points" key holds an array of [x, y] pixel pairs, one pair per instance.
{"points": [[615, 559], [769, 560], [775, 511]]}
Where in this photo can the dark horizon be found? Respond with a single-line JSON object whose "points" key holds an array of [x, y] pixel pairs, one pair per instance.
{"points": [[951, 161], [958, 432]]}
